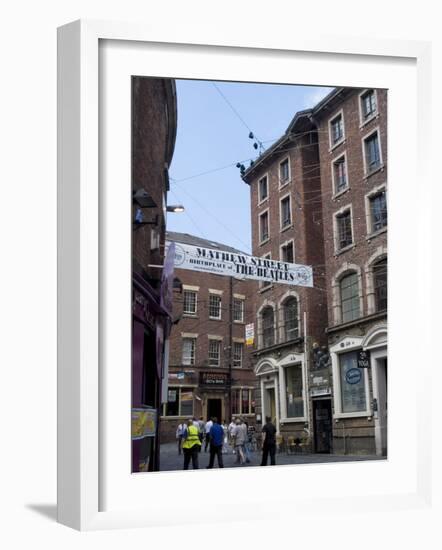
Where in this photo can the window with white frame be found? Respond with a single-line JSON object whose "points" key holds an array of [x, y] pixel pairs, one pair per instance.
{"points": [[349, 290], [380, 284], [352, 382], [238, 351], [294, 391], [287, 253], [214, 353], [265, 284], [238, 310], [189, 302], [344, 233], [214, 306], [368, 105], [264, 226], [284, 172], [336, 130], [242, 401], [290, 315], [189, 346], [378, 210], [372, 152], [268, 327], [179, 402], [340, 174], [286, 212], [263, 189]]}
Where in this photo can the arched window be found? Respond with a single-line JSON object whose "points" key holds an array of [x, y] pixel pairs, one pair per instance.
{"points": [[380, 284], [268, 327], [349, 287], [291, 328]]}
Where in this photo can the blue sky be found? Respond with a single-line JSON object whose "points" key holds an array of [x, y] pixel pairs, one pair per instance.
{"points": [[212, 138]]}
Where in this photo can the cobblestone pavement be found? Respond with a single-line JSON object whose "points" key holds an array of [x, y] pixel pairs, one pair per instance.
{"points": [[170, 460]]}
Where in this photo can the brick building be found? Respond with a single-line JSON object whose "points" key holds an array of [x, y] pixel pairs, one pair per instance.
{"points": [[210, 369], [318, 198], [153, 140]]}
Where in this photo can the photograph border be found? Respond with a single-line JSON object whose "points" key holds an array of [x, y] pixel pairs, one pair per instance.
{"points": [[79, 250]]}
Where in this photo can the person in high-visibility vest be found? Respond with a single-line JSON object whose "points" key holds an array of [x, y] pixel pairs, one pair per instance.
{"points": [[191, 445]]}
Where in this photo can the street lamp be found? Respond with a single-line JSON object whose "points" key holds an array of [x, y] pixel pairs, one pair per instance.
{"points": [[175, 208]]}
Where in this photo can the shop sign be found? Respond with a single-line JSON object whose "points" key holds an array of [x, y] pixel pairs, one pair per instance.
{"points": [[176, 375], [250, 334], [363, 359], [144, 423], [316, 392], [171, 396], [220, 262], [353, 376], [213, 378]]}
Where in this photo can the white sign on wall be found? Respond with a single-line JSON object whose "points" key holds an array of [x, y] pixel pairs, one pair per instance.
{"points": [[219, 262]]}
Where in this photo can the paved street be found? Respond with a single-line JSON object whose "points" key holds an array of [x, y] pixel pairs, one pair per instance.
{"points": [[170, 460]]}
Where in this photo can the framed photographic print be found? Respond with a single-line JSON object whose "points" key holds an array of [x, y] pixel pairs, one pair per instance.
{"points": [[223, 253]]}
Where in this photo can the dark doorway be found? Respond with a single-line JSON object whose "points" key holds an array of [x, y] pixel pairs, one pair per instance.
{"points": [[322, 419], [214, 408]]}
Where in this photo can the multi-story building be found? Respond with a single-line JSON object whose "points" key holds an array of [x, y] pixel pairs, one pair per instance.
{"points": [[153, 140], [210, 370], [318, 198], [352, 129]]}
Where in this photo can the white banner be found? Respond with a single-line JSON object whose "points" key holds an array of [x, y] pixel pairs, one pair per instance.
{"points": [[241, 266]]}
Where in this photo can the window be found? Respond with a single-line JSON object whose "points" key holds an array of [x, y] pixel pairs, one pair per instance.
{"points": [[350, 308], [214, 353], [238, 310], [368, 105], [238, 349], [189, 345], [353, 398], [287, 254], [179, 402], [214, 306], [286, 215], [189, 307], [294, 391], [378, 211], [284, 172], [242, 401], [336, 130], [372, 152], [344, 232], [380, 284], [263, 189], [290, 309], [340, 174], [264, 227], [268, 327]]}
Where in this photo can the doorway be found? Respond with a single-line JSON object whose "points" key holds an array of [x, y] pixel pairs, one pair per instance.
{"points": [[271, 404], [322, 421], [381, 415], [214, 409]]}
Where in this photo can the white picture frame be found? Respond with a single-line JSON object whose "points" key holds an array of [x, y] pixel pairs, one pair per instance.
{"points": [[80, 396]]}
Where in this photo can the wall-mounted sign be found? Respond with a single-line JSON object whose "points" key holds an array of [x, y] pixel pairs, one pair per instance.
{"points": [[363, 359], [143, 423], [213, 378], [220, 262], [316, 392], [250, 334], [353, 376]]}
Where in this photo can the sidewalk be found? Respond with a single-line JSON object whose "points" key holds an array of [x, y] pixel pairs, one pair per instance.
{"points": [[170, 460]]}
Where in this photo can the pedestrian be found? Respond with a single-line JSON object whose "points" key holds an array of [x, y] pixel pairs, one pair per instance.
{"points": [[231, 429], [201, 430], [191, 445], [180, 434], [245, 428], [226, 435], [207, 428], [239, 436], [269, 442], [216, 443]]}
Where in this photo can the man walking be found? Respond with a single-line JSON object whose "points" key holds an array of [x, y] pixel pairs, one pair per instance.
{"points": [[191, 445], [180, 434], [269, 442], [216, 443], [207, 428], [239, 436]]}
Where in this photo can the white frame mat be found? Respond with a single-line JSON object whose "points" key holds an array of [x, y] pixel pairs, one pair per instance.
{"points": [[96, 493]]}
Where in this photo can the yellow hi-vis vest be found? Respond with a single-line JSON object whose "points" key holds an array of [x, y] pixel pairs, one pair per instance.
{"points": [[192, 438]]}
